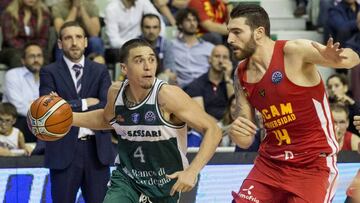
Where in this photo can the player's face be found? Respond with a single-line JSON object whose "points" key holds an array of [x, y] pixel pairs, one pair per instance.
{"points": [[341, 123], [141, 66], [189, 25], [336, 88], [6, 123], [33, 58], [219, 55], [151, 29], [241, 38], [73, 43]]}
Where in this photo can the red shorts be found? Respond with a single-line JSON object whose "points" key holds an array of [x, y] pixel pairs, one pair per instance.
{"points": [[270, 183]]}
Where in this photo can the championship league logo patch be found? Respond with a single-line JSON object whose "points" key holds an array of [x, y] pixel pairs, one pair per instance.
{"points": [[276, 77], [135, 117], [150, 117]]}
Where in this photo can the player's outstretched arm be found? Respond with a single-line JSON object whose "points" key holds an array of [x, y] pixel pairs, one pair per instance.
{"points": [[98, 119], [329, 55], [175, 101], [243, 129]]}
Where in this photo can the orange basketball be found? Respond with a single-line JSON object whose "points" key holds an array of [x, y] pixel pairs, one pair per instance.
{"points": [[49, 118]]}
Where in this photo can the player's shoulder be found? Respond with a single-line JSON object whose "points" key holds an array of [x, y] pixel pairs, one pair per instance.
{"points": [[295, 46], [169, 92]]}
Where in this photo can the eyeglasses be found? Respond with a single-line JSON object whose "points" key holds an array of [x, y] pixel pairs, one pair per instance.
{"points": [[6, 121]]}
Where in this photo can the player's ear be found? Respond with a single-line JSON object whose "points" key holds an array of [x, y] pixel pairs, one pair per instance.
{"points": [[259, 32], [123, 68]]}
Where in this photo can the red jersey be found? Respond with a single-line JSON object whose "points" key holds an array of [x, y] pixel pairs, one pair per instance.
{"points": [[347, 141], [215, 11], [298, 121]]}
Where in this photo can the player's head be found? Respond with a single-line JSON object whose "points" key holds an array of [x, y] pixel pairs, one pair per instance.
{"points": [[33, 58], [8, 116], [72, 40], [138, 62], [187, 21], [341, 119], [150, 27], [337, 86], [248, 24]]}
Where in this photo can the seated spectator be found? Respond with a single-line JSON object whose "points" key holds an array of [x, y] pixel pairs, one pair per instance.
{"points": [[98, 58], [213, 89], [300, 9], [86, 13], [213, 15], [168, 9], [191, 54], [23, 22], [123, 20], [150, 28], [337, 88], [347, 140], [12, 142], [226, 121], [342, 20], [21, 86]]}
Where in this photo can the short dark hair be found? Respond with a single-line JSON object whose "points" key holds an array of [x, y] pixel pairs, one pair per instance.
{"points": [[131, 44], [182, 14], [342, 77], [150, 15], [27, 45], [70, 24], [337, 107], [7, 108], [255, 15]]}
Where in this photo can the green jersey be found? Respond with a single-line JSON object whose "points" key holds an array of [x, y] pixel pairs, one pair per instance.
{"points": [[149, 146]]}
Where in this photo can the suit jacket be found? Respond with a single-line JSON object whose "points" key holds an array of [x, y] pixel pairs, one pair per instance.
{"points": [[95, 83]]}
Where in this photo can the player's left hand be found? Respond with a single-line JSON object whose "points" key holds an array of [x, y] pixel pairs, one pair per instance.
{"points": [[186, 180], [331, 51]]}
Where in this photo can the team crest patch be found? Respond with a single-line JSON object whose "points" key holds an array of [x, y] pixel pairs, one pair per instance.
{"points": [[135, 117], [276, 77], [262, 92], [150, 117]]}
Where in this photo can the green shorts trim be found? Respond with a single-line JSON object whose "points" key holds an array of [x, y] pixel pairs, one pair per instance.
{"points": [[122, 191]]}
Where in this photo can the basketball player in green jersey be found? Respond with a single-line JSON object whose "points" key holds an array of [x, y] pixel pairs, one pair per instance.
{"points": [[151, 119]]}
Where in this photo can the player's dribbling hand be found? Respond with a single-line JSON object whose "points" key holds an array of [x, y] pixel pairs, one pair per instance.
{"points": [[331, 51], [357, 122], [186, 180], [242, 127]]}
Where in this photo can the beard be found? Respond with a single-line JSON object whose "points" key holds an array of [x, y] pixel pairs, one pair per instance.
{"points": [[248, 50], [74, 55], [33, 68]]}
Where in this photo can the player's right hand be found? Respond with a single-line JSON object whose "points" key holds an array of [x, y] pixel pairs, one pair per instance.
{"points": [[243, 127]]}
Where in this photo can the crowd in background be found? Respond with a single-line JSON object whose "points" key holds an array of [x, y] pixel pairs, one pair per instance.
{"points": [[197, 58]]}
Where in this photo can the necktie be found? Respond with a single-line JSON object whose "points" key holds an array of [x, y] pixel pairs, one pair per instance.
{"points": [[77, 68]]}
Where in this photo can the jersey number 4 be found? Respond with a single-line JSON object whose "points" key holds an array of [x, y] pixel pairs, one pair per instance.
{"points": [[139, 154]]}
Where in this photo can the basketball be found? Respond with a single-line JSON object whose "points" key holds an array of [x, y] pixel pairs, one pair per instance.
{"points": [[49, 118]]}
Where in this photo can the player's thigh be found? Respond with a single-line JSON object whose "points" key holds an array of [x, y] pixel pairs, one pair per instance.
{"points": [[120, 190], [252, 191]]}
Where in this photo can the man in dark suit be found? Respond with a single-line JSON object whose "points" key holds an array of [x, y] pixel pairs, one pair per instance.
{"points": [[81, 159]]}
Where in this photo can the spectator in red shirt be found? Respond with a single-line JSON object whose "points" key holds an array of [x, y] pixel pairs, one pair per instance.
{"points": [[213, 16], [23, 21]]}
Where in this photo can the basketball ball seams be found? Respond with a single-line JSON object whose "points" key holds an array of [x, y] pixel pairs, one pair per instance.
{"points": [[38, 107], [50, 118], [70, 117]]}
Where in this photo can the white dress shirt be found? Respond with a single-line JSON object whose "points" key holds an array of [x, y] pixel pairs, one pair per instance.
{"points": [[123, 24], [20, 89]]}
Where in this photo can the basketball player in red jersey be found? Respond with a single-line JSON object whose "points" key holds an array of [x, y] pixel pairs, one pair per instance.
{"points": [[297, 158]]}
